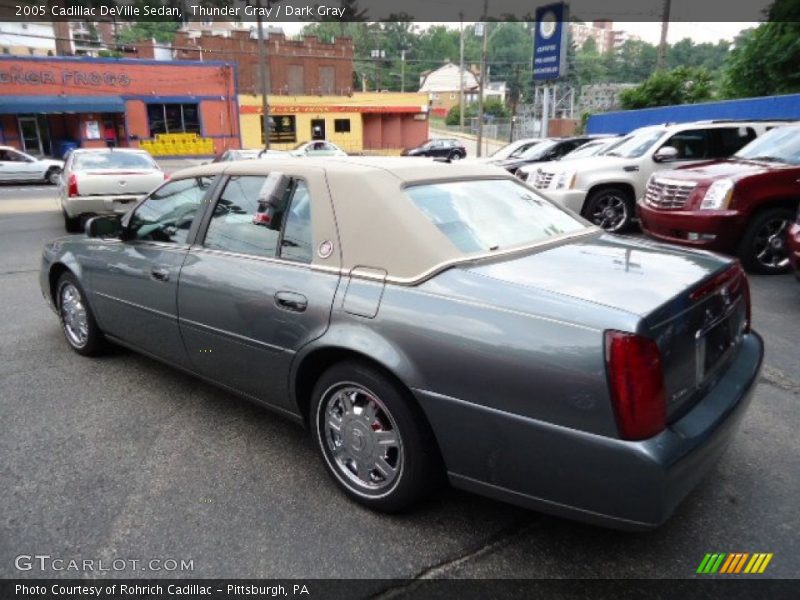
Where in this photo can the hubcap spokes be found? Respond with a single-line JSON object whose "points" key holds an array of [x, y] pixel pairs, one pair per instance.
{"points": [[362, 438], [609, 213], [73, 314], [770, 245]]}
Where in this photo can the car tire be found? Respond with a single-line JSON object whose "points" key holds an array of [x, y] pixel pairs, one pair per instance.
{"points": [[763, 247], [610, 208], [72, 224], [77, 320], [52, 176], [374, 440], [456, 156]]}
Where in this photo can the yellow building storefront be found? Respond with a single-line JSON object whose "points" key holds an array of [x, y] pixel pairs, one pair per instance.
{"points": [[364, 123]]}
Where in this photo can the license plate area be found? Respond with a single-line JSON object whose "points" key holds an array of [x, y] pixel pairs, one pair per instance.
{"points": [[717, 341]]}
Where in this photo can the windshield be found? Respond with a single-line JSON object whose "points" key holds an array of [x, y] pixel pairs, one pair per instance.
{"points": [[589, 149], [487, 215], [539, 150], [513, 149], [113, 160], [780, 145], [637, 144]]}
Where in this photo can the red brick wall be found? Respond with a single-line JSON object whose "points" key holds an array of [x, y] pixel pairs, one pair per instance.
{"points": [[240, 48]]}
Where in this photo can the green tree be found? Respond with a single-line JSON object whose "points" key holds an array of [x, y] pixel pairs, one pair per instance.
{"points": [[684, 85], [765, 60], [162, 31], [493, 107]]}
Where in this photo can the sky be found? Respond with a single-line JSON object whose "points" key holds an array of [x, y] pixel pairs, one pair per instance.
{"points": [[648, 31]]}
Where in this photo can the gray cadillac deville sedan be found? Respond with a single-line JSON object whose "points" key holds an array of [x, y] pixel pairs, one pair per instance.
{"points": [[429, 321]]}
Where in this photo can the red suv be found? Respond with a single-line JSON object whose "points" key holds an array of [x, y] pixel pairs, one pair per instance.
{"points": [[743, 205], [794, 245]]}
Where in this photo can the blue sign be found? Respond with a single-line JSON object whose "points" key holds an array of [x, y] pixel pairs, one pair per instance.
{"points": [[550, 42]]}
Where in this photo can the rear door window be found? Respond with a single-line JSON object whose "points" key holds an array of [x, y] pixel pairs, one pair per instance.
{"points": [[268, 216], [731, 139]]}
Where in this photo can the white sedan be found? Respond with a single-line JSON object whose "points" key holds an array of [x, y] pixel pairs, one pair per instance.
{"points": [[105, 181], [317, 148], [18, 166]]}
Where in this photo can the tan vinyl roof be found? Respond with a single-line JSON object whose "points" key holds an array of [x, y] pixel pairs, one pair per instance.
{"points": [[371, 222]]}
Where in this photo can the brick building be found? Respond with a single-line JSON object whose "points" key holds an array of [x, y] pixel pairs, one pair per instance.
{"points": [[99, 102], [296, 67]]}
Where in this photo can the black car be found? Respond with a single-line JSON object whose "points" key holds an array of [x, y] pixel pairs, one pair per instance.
{"points": [[446, 148], [546, 150]]}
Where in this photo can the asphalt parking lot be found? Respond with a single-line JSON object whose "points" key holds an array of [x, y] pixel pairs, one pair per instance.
{"points": [[122, 457]]}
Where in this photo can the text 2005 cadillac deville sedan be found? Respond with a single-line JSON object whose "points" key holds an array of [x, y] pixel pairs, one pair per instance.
{"points": [[429, 320]]}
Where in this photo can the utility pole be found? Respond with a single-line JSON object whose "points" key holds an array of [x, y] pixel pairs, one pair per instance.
{"points": [[402, 70], [264, 75], [461, 77], [482, 82], [662, 45]]}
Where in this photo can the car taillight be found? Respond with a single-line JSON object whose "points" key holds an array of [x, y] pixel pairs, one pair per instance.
{"points": [[166, 175], [72, 185], [636, 381], [735, 280]]}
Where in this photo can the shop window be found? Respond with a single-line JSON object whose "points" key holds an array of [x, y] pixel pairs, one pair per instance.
{"points": [[173, 118], [341, 125], [282, 130]]}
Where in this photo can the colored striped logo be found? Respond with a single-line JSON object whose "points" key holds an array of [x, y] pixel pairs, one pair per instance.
{"points": [[734, 563]]}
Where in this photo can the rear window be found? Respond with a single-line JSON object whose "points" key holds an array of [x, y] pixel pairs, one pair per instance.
{"points": [[113, 160], [487, 215]]}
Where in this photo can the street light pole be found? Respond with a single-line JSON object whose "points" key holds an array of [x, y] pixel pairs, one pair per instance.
{"points": [[461, 78], [481, 85], [262, 60]]}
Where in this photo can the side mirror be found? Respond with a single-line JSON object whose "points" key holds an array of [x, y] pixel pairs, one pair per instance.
{"points": [[665, 154], [102, 227]]}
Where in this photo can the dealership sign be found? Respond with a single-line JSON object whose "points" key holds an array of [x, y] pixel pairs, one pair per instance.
{"points": [[550, 42], [19, 76]]}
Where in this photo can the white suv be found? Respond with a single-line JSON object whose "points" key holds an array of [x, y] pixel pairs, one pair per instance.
{"points": [[604, 189]]}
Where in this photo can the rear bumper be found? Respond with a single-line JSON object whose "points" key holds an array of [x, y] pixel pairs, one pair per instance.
{"points": [[592, 478], [99, 205], [793, 239], [572, 199], [674, 226]]}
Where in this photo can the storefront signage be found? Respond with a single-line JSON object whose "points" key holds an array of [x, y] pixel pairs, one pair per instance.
{"points": [[19, 76], [321, 108]]}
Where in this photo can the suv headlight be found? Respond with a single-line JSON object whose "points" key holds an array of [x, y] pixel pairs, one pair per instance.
{"points": [[566, 179], [718, 195]]}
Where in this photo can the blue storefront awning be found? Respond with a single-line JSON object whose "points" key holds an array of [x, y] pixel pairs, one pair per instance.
{"points": [[15, 105]]}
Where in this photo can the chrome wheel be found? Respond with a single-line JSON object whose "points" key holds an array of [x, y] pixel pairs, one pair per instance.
{"points": [[770, 244], [73, 315], [53, 176], [609, 211], [360, 438]]}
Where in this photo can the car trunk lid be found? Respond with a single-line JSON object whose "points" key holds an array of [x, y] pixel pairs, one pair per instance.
{"points": [[679, 298], [113, 182]]}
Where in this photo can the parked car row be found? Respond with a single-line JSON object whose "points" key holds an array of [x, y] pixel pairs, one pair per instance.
{"points": [[727, 186]]}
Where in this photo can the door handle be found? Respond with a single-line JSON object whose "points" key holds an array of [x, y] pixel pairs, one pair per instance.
{"points": [[291, 301], [159, 274]]}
